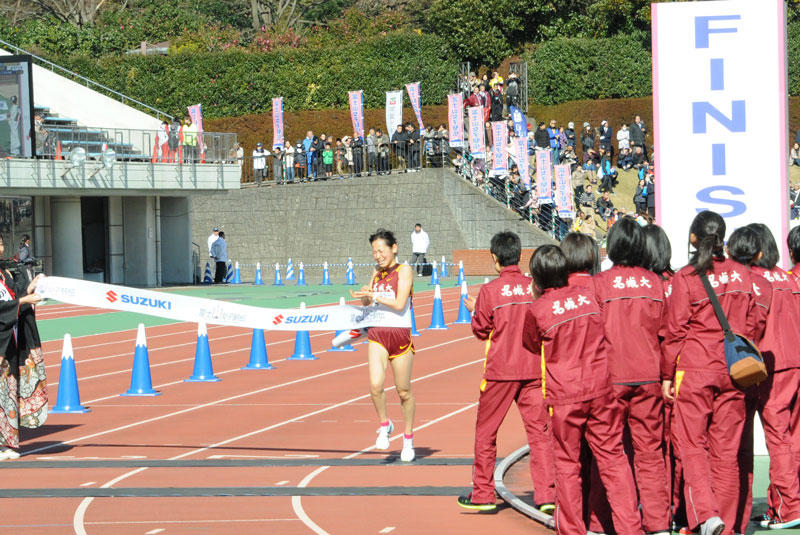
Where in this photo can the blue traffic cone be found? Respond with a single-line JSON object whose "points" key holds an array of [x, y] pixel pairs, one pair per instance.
{"points": [[259, 281], [444, 268], [437, 318], [350, 275], [237, 275], [207, 278], [229, 273], [434, 275], [290, 271], [463, 312], [141, 382], [302, 344], [278, 281], [414, 331], [69, 399], [203, 370], [258, 353], [301, 275], [348, 347], [326, 275], [461, 278]]}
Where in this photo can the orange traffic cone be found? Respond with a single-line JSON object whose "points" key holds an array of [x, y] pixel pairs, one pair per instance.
{"points": [[155, 152], [58, 151]]}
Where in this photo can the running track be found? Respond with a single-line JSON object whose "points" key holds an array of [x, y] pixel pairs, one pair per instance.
{"points": [[273, 430]]}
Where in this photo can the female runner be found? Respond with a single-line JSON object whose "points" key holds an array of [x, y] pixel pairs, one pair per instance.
{"points": [[391, 287]]}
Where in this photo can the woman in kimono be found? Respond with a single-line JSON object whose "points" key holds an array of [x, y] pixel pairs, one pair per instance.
{"points": [[23, 389]]}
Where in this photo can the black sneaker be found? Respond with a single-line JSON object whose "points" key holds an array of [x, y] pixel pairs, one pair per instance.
{"points": [[466, 503]]}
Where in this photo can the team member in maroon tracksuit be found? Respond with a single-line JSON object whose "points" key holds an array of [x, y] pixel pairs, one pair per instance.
{"points": [[778, 394], [565, 323], [632, 300], [793, 241], [511, 373], [709, 409]]}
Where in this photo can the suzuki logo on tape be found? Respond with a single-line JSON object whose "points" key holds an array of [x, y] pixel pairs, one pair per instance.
{"points": [[277, 320], [146, 301], [310, 318], [111, 296]]}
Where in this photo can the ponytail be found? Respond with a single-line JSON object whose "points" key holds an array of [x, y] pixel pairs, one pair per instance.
{"points": [[709, 230]]}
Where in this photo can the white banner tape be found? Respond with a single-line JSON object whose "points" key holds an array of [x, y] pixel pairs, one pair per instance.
{"points": [[195, 309]]}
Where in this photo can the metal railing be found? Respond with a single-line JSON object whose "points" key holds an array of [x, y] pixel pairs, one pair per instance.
{"points": [[125, 99], [134, 145]]}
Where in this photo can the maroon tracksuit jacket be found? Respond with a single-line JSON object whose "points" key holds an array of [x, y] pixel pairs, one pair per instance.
{"points": [[511, 373], [566, 323], [709, 410], [632, 301]]}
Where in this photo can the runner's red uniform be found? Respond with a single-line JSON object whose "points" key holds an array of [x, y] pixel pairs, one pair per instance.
{"points": [[396, 340]]}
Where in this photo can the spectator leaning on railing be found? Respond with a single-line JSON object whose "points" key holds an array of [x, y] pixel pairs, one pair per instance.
{"points": [[259, 163]]}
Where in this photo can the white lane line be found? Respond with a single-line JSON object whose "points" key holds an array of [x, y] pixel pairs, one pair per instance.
{"points": [[281, 483], [297, 504], [154, 531], [80, 512], [88, 483], [387, 529]]}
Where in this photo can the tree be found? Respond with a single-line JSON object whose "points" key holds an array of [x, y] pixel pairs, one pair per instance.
{"points": [[78, 12], [282, 15]]}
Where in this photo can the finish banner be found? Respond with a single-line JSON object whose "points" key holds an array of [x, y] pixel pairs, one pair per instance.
{"points": [[416, 101], [357, 111], [523, 161], [477, 145], [544, 177], [195, 310], [277, 122], [564, 191], [499, 146], [394, 111], [455, 116]]}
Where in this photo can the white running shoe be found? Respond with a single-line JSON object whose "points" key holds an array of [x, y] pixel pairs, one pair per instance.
{"points": [[712, 526], [349, 337], [9, 454], [383, 436], [407, 454]]}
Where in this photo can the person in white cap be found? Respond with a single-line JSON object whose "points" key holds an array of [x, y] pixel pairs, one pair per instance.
{"points": [[572, 139], [260, 163], [212, 238]]}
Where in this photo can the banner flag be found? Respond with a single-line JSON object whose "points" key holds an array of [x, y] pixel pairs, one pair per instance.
{"points": [[196, 113], [564, 191], [357, 111], [499, 146], [523, 161], [416, 101], [544, 177], [277, 122], [520, 122], [455, 115], [195, 309], [394, 110], [477, 142]]}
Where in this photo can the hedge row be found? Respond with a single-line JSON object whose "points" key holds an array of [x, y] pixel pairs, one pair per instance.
{"points": [[239, 83]]}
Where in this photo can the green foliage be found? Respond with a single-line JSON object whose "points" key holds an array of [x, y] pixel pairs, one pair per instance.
{"points": [[236, 83], [562, 69]]}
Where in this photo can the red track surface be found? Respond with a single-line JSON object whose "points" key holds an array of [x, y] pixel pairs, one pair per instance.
{"points": [[320, 409]]}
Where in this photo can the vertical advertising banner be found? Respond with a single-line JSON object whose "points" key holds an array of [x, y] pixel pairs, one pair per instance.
{"points": [[564, 192], [455, 119], [416, 101], [357, 111], [523, 160], [196, 113], [499, 146], [394, 110], [720, 114], [477, 140], [277, 122], [520, 122], [544, 177]]}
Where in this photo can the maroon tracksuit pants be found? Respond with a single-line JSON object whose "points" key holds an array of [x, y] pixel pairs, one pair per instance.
{"points": [[599, 421], [643, 440], [779, 409], [709, 415], [493, 405]]}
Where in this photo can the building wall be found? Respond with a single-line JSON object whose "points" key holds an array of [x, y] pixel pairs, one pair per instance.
{"points": [[176, 240], [331, 221], [139, 241]]}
